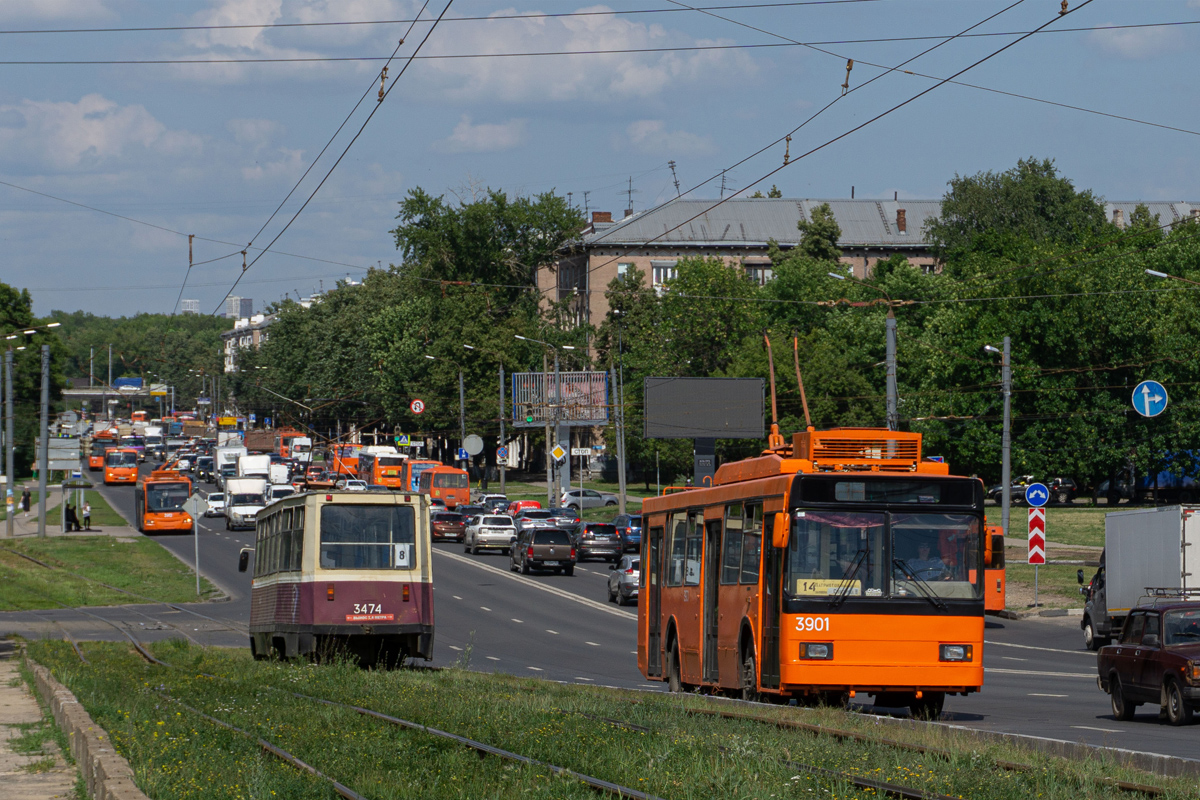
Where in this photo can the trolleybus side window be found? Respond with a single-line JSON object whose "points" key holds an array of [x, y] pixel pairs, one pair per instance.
{"points": [[367, 537], [731, 561], [677, 547], [835, 553], [695, 547], [752, 543], [937, 553]]}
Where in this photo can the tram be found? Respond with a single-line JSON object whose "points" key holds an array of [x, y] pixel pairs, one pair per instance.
{"points": [[158, 503], [343, 572], [838, 564]]}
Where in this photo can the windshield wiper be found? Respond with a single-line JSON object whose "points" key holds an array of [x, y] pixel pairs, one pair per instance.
{"points": [[926, 591], [848, 579]]}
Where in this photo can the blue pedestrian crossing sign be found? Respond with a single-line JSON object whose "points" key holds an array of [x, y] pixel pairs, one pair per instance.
{"points": [[402, 440], [1037, 495], [1150, 398]]}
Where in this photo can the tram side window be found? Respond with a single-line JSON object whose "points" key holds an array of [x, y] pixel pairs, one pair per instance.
{"points": [[677, 547], [731, 561], [695, 547], [752, 543], [367, 537], [297, 538]]}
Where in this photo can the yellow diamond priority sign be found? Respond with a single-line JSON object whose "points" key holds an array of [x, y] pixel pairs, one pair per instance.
{"points": [[558, 452]]}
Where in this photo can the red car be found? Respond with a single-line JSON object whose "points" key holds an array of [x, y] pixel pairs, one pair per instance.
{"points": [[518, 505], [447, 525], [1155, 661]]}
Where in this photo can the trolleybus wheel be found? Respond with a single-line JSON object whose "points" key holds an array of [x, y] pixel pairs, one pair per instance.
{"points": [[749, 677], [1121, 707], [674, 680], [928, 707]]}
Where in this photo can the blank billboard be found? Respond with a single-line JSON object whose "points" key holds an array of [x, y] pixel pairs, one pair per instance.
{"points": [[704, 408]]}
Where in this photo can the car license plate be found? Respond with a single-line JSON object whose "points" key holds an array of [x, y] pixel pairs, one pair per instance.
{"points": [[550, 563]]}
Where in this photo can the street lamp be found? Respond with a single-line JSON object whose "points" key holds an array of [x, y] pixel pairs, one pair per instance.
{"points": [[619, 402], [1006, 439], [44, 450], [1156, 274], [893, 414], [550, 488]]}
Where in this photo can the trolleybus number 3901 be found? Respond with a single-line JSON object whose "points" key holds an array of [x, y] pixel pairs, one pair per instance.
{"points": [[812, 623]]}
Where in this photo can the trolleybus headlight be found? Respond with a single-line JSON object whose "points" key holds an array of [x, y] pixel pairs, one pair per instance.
{"points": [[816, 650], [955, 652]]}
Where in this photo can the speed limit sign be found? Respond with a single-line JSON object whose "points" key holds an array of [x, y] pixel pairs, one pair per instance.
{"points": [[416, 406]]}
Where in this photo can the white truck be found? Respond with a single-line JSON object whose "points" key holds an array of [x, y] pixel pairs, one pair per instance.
{"points": [[154, 440], [279, 475], [243, 501], [301, 450], [254, 465], [225, 462], [1146, 549]]}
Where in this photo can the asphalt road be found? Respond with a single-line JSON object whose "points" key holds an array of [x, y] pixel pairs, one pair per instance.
{"points": [[1039, 680]]}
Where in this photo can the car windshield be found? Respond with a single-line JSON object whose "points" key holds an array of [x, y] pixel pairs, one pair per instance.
{"points": [[216, 497], [551, 537], [245, 500], [1182, 627], [447, 517], [506, 521], [166, 496]]}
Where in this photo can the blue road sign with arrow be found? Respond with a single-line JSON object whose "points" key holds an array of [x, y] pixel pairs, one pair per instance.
{"points": [[1150, 398], [1037, 495]]}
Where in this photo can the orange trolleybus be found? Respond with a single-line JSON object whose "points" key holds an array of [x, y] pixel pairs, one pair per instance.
{"points": [[451, 485], [839, 564], [381, 467], [158, 502], [120, 466], [102, 442], [345, 459]]}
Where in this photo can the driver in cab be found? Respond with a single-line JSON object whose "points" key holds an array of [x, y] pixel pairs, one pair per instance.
{"points": [[927, 566]]}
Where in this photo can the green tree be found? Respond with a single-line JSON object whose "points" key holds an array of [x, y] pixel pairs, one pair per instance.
{"points": [[820, 235], [16, 315]]}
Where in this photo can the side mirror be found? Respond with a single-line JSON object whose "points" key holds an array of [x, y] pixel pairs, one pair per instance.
{"points": [[1150, 640], [779, 534], [1079, 576], [612, 567], [244, 558]]}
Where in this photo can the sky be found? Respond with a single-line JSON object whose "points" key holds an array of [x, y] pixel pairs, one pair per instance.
{"points": [[592, 100]]}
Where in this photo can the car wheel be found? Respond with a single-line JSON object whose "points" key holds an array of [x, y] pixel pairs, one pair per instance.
{"points": [[622, 600], [748, 677], [1090, 640], [466, 547], [928, 707], [612, 596], [525, 568], [1178, 711], [1121, 707], [1064, 498], [610, 504], [674, 679], [569, 571]]}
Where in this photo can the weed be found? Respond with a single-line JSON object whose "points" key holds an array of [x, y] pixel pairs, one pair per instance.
{"points": [[41, 765]]}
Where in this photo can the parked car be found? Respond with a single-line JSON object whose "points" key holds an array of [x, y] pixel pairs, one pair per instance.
{"points": [[587, 498], [517, 506], [532, 518], [216, 505], [1063, 491], [629, 527], [543, 548], [448, 525], [489, 532], [623, 582], [567, 519], [1155, 661], [599, 540], [1016, 490]]}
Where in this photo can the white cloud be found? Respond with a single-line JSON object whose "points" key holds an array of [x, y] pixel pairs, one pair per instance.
{"points": [[289, 165], [254, 132], [651, 136], [52, 9], [1137, 43], [486, 137], [90, 133]]}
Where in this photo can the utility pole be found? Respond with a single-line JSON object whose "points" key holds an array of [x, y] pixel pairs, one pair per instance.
{"points": [[675, 179], [893, 417], [619, 423], [1006, 440], [549, 446], [11, 500], [462, 414], [44, 450], [91, 366], [502, 444]]}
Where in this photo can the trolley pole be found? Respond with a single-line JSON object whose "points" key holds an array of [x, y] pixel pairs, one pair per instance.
{"points": [[502, 462], [44, 450]]}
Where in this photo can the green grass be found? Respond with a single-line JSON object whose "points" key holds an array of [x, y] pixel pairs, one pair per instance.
{"points": [[176, 754], [1074, 525], [1057, 584], [141, 566]]}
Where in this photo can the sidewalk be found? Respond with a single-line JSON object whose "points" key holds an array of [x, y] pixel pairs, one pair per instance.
{"points": [[25, 526], [34, 773]]}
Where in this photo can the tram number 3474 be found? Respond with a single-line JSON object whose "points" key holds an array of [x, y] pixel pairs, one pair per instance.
{"points": [[367, 608], [812, 623]]}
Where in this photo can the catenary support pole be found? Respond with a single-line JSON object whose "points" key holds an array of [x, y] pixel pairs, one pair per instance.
{"points": [[618, 420], [1006, 437], [11, 499], [44, 450], [893, 416], [502, 461]]}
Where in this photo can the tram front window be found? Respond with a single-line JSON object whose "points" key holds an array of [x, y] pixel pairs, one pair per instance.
{"points": [[936, 554], [367, 537], [833, 553]]}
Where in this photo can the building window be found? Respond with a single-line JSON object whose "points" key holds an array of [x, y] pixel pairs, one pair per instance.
{"points": [[624, 268], [760, 275], [663, 271]]}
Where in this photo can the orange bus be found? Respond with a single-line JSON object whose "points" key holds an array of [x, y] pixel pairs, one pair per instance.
{"points": [[413, 470], [120, 466], [140, 416], [449, 484], [344, 458], [102, 442], [158, 502], [839, 564], [995, 584], [382, 468]]}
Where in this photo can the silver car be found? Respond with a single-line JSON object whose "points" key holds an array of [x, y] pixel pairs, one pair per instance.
{"points": [[489, 532], [623, 582], [580, 499]]}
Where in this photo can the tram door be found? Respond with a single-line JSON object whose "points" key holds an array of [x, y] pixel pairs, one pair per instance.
{"points": [[770, 615], [712, 580], [652, 587]]}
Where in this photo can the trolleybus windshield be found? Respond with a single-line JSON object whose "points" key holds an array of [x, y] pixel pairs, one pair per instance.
{"points": [[116, 459], [166, 496], [836, 553], [367, 537]]}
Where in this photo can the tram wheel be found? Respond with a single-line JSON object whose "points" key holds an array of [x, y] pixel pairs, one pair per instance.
{"points": [[749, 677]]}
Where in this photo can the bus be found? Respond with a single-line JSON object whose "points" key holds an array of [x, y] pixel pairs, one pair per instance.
{"points": [[448, 484], [102, 442], [158, 502], [413, 470], [137, 443], [120, 466], [343, 571], [837, 565], [140, 416], [995, 584], [344, 458], [382, 466]]}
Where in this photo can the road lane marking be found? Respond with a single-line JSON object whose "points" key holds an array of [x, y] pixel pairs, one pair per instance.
{"points": [[536, 669], [485, 608], [456, 597], [459, 649], [492, 658], [584, 679], [593, 644], [1091, 675], [550, 631], [1090, 728], [1040, 694], [1012, 658], [1044, 649], [605, 607], [514, 619]]}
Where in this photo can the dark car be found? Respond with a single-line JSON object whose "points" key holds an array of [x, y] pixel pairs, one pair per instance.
{"points": [[204, 469], [447, 525], [568, 519], [1156, 660], [542, 548], [599, 540], [629, 528]]}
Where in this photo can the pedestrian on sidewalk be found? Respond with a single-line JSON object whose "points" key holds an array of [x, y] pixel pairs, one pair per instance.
{"points": [[72, 519], [87, 515], [25, 498]]}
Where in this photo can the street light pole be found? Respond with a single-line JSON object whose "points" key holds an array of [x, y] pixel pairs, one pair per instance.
{"points": [[11, 499], [502, 462], [44, 454], [1006, 437]]}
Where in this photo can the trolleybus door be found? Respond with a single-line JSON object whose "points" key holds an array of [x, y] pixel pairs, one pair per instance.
{"points": [[769, 668], [712, 581], [652, 586]]}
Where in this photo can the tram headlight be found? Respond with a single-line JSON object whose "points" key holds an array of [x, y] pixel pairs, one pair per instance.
{"points": [[816, 651], [955, 652]]}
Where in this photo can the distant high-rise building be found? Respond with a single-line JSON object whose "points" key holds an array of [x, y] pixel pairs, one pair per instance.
{"points": [[245, 307], [233, 307], [190, 307]]}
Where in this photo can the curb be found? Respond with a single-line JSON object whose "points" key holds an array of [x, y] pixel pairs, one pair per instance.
{"points": [[107, 775]]}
